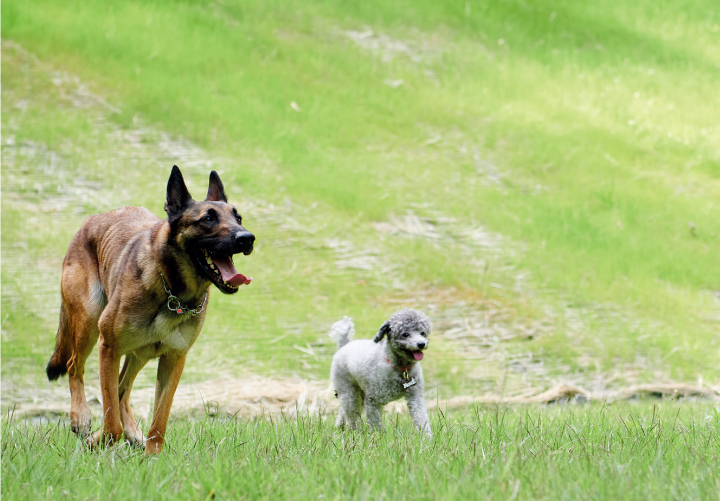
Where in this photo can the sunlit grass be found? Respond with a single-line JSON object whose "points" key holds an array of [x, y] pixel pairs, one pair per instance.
{"points": [[666, 451]]}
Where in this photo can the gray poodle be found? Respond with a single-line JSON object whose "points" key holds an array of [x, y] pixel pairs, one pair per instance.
{"points": [[373, 373]]}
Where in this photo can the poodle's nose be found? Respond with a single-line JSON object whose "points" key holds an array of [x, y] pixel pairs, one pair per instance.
{"points": [[421, 345]]}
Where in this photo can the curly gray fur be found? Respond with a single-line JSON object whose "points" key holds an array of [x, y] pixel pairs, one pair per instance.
{"points": [[368, 373], [342, 331]]}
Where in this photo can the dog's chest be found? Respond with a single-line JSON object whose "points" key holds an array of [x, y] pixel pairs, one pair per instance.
{"points": [[165, 333], [391, 386], [177, 333]]}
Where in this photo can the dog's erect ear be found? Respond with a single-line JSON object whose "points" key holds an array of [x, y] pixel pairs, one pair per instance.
{"points": [[216, 192], [178, 197], [384, 329]]}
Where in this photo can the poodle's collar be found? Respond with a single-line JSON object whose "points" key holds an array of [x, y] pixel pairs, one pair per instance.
{"points": [[406, 376], [402, 369]]}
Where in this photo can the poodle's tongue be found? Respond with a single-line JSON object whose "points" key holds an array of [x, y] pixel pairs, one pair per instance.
{"points": [[228, 271], [418, 355]]}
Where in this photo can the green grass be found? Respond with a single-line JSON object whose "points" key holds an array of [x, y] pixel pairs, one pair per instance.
{"points": [[639, 451]]}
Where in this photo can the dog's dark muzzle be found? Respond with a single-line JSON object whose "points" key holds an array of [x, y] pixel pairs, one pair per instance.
{"points": [[243, 242]]}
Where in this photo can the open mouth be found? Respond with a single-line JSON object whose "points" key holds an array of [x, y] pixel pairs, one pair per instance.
{"points": [[416, 354], [221, 270]]}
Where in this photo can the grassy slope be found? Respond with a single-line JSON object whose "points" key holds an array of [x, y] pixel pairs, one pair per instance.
{"points": [[608, 108], [596, 452]]}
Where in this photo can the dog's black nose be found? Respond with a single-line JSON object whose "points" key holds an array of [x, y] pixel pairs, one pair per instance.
{"points": [[244, 241], [421, 345]]}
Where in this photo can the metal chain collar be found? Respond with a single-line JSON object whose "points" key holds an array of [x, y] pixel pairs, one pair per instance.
{"points": [[175, 305]]}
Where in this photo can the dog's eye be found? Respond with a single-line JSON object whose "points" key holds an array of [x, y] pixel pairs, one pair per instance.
{"points": [[405, 334], [239, 220], [208, 219], [423, 334]]}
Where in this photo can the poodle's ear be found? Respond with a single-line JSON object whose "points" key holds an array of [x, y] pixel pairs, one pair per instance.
{"points": [[384, 329]]}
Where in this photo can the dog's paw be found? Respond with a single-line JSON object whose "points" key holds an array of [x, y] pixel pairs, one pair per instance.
{"points": [[95, 440], [135, 439], [80, 424], [153, 445], [100, 439]]}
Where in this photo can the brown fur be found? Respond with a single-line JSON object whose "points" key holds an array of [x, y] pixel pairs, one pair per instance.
{"points": [[112, 292]]}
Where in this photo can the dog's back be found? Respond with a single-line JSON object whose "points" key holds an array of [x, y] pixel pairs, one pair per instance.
{"points": [[96, 246], [355, 359], [105, 235]]}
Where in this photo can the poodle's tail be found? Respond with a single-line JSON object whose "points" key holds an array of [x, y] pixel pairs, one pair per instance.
{"points": [[342, 331]]}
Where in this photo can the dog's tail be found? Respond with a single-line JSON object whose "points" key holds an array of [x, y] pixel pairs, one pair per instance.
{"points": [[63, 348], [342, 331]]}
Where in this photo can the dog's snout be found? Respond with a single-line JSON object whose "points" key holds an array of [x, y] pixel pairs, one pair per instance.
{"points": [[421, 345], [244, 241], [244, 236]]}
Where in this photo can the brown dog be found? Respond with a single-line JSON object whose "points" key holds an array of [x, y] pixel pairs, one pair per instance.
{"points": [[140, 284]]}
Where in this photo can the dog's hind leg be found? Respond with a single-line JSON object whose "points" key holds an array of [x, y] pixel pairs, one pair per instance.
{"points": [[351, 405], [80, 415], [129, 372], [82, 324], [83, 300]]}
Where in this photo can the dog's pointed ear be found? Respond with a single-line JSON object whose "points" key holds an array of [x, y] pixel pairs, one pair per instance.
{"points": [[178, 197], [384, 329], [216, 192]]}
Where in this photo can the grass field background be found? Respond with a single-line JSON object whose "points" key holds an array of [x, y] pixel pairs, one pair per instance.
{"points": [[668, 451], [541, 178]]}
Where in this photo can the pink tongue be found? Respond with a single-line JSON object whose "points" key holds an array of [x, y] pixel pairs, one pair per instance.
{"points": [[228, 271], [418, 355]]}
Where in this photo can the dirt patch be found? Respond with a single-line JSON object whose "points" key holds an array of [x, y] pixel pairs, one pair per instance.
{"points": [[390, 49], [256, 396]]}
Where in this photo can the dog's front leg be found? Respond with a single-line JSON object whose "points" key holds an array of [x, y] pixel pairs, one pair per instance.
{"points": [[170, 369], [109, 369], [373, 411], [130, 370], [419, 413]]}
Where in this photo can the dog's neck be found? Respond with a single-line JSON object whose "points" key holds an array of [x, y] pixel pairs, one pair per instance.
{"points": [[178, 269], [397, 360]]}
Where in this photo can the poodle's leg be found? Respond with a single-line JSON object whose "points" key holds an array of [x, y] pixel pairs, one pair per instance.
{"points": [[418, 412], [340, 421], [350, 406], [373, 411]]}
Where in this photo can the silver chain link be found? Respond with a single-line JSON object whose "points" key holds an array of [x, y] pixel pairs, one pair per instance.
{"points": [[175, 305]]}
